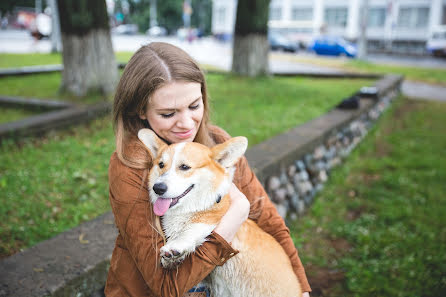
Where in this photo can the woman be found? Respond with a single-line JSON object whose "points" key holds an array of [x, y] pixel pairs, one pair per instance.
{"points": [[162, 88]]}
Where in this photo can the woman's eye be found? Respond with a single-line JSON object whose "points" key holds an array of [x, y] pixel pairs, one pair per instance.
{"points": [[167, 115], [193, 107], [161, 164], [184, 167]]}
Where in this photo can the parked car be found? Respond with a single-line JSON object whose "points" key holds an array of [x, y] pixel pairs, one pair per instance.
{"points": [[280, 42], [156, 31], [128, 29], [436, 44], [333, 46]]}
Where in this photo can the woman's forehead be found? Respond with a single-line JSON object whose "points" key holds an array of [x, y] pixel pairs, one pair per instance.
{"points": [[175, 95]]}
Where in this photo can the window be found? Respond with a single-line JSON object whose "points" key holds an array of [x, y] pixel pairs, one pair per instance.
{"points": [[413, 17], [376, 17], [336, 16], [275, 13], [444, 15], [221, 15], [301, 14]]}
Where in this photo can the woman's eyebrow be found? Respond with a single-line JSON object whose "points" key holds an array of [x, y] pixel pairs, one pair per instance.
{"points": [[174, 109]]}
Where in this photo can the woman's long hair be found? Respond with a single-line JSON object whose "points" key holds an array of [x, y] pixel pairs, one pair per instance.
{"points": [[151, 67]]}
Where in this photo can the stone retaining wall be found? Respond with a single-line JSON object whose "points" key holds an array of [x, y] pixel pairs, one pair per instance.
{"points": [[293, 167]]}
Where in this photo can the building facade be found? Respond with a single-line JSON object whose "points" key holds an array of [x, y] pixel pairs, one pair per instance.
{"points": [[401, 26]]}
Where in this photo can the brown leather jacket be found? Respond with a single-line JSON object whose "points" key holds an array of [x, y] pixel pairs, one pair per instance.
{"points": [[135, 264]]}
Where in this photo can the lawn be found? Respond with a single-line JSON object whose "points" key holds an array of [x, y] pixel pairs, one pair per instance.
{"points": [[428, 75], [377, 229], [51, 184]]}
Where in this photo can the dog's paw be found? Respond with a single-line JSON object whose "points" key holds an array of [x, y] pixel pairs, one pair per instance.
{"points": [[171, 257]]}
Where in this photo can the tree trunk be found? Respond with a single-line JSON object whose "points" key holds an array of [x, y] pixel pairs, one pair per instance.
{"points": [[250, 55], [251, 47], [88, 58]]}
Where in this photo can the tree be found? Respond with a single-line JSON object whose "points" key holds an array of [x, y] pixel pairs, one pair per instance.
{"points": [[250, 50], [88, 58], [8, 5]]}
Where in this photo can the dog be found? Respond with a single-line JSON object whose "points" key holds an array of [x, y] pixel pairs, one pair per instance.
{"points": [[189, 185]]}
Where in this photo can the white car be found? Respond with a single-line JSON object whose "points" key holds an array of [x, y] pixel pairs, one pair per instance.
{"points": [[156, 31], [127, 29], [436, 44]]}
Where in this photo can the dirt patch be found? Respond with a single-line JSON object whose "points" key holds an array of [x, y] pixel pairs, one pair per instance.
{"points": [[341, 245], [354, 214], [323, 281]]}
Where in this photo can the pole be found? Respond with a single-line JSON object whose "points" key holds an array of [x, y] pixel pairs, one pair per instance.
{"points": [[153, 20], [362, 42], [55, 27]]}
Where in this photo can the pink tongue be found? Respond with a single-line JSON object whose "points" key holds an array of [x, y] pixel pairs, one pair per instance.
{"points": [[161, 206]]}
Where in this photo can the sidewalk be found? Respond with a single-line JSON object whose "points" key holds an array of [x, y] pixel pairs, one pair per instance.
{"points": [[423, 91]]}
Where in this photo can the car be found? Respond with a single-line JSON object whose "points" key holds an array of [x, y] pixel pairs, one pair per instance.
{"points": [[127, 29], [280, 42], [333, 46], [156, 31], [436, 44]]}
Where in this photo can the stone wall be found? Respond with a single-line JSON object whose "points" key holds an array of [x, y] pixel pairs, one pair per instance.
{"points": [[293, 189], [293, 167]]}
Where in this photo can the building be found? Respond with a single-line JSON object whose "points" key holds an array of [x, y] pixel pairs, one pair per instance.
{"points": [[401, 26]]}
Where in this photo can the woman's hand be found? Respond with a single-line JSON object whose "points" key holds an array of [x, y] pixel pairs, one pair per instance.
{"points": [[235, 216]]}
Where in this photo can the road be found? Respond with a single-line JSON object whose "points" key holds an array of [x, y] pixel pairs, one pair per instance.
{"points": [[206, 51]]}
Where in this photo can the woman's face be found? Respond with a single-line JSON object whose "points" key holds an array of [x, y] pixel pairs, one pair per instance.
{"points": [[175, 111]]}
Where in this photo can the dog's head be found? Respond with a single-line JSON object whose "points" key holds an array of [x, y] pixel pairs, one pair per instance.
{"points": [[190, 177]]}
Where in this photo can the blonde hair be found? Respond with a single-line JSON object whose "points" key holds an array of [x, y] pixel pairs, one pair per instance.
{"points": [[151, 67]]}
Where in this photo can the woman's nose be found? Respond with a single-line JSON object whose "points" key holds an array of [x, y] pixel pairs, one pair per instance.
{"points": [[185, 121]]}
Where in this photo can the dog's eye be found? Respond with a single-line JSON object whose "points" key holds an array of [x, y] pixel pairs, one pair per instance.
{"points": [[161, 164], [184, 167]]}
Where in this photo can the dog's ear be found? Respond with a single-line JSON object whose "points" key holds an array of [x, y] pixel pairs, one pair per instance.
{"points": [[229, 152], [151, 141]]}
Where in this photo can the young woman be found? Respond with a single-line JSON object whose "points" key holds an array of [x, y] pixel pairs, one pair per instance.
{"points": [[162, 88]]}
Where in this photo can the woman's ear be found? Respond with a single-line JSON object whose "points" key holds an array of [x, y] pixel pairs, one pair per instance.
{"points": [[229, 152], [152, 142]]}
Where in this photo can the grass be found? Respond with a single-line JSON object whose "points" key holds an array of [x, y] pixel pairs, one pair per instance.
{"points": [[377, 229], [428, 75], [52, 184], [14, 114]]}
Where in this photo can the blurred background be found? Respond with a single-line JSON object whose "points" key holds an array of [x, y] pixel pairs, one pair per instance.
{"points": [[405, 29]]}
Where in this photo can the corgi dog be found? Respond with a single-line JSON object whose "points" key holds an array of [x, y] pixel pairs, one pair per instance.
{"points": [[189, 185]]}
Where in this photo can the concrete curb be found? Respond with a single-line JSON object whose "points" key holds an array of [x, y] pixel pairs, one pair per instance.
{"points": [[267, 158], [74, 263], [38, 69], [34, 103], [67, 265], [42, 123]]}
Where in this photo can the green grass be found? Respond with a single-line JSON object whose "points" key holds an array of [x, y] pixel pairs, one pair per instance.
{"points": [[14, 114], [49, 185], [428, 75], [42, 86], [377, 229], [20, 60]]}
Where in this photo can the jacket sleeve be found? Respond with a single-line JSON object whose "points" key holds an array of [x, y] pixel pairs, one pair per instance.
{"points": [[135, 220], [266, 216]]}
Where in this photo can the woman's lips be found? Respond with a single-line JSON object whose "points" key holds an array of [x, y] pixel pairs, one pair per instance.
{"points": [[186, 134]]}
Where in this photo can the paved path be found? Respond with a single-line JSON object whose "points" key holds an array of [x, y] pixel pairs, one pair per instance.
{"points": [[419, 90]]}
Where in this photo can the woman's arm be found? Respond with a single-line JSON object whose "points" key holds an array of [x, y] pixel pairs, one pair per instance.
{"points": [[136, 223], [235, 216]]}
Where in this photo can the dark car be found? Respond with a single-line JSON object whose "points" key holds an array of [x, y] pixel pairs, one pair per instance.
{"points": [[280, 42], [333, 46]]}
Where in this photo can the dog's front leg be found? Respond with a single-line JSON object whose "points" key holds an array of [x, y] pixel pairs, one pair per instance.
{"points": [[184, 243]]}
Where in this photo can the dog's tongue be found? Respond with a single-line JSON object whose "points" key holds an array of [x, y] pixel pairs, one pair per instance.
{"points": [[161, 206]]}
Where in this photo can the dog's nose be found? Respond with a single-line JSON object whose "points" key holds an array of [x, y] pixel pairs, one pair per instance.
{"points": [[160, 188]]}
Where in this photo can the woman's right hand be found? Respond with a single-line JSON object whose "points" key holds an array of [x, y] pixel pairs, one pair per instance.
{"points": [[235, 216]]}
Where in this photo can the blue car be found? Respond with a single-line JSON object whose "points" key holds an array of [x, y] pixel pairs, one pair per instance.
{"points": [[333, 46]]}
